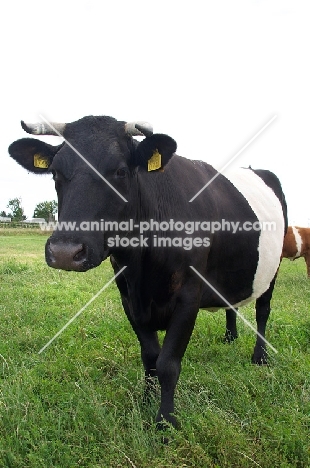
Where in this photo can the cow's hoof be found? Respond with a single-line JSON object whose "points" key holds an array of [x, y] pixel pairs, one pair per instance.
{"points": [[151, 390], [229, 337], [260, 360], [163, 424]]}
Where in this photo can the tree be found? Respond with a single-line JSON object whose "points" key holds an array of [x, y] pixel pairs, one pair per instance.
{"points": [[46, 210], [3, 214], [17, 211]]}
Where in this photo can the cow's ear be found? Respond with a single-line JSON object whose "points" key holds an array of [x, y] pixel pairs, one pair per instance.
{"points": [[155, 151], [34, 155]]}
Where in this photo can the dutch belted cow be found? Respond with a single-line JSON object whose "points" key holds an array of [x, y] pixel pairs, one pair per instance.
{"points": [[297, 245], [182, 252]]}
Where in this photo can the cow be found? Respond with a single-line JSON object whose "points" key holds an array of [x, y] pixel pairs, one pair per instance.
{"points": [[180, 235], [297, 244]]}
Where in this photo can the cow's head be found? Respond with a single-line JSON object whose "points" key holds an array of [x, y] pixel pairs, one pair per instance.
{"points": [[95, 171]]}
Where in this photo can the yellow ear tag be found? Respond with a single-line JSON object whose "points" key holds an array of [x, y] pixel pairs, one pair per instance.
{"points": [[39, 161], [155, 162]]}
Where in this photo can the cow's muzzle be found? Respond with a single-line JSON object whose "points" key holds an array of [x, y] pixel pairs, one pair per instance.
{"points": [[67, 255]]}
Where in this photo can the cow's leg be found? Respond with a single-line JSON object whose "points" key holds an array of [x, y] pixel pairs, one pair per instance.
{"points": [[169, 361], [307, 260], [262, 313], [148, 340], [231, 326], [150, 349]]}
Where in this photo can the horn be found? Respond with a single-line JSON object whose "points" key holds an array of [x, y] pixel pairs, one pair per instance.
{"points": [[139, 129], [44, 129]]}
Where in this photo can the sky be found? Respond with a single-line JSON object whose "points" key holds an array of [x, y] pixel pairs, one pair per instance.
{"points": [[209, 74]]}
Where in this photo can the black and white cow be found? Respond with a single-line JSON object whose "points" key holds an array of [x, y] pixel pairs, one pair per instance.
{"points": [[103, 174]]}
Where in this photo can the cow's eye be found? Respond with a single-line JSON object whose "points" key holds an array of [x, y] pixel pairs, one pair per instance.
{"points": [[121, 173], [57, 176]]}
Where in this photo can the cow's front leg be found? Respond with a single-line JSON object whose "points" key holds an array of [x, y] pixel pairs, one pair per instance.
{"points": [[307, 260], [262, 313], [150, 349], [169, 361], [231, 326]]}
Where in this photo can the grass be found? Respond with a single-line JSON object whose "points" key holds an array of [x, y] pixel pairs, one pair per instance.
{"points": [[79, 403]]}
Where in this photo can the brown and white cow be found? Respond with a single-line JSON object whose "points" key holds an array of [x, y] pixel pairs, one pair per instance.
{"points": [[297, 244]]}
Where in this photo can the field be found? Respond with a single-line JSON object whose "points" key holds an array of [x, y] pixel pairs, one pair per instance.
{"points": [[79, 402]]}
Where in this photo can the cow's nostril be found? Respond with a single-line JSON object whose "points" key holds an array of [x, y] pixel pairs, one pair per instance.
{"points": [[80, 254], [66, 255]]}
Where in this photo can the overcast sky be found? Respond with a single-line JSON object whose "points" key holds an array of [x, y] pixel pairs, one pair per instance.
{"points": [[210, 74]]}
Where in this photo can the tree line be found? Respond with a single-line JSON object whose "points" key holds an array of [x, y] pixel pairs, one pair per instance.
{"points": [[46, 210]]}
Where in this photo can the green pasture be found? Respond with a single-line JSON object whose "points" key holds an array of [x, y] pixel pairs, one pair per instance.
{"points": [[79, 403]]}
